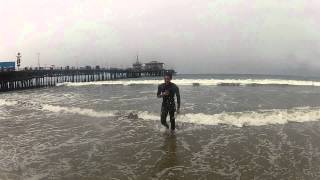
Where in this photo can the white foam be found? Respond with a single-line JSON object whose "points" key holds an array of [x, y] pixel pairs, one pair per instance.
{"points": [[248, 118], [148, 116], [207, 82], [7, 103], [240, 119], [80, 111]]}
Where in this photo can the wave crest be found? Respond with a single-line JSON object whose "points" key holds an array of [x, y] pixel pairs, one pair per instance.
{"points": [[77, 110], [205, 82], [239, 119]]}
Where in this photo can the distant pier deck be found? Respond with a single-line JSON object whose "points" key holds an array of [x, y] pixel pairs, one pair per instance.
{"points": [[27, 79]]}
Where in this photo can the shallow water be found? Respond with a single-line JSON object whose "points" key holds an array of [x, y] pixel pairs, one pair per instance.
{"points": [[224, 132]]}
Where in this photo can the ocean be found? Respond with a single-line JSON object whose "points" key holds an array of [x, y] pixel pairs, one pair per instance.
{"points": [[230, 127]]}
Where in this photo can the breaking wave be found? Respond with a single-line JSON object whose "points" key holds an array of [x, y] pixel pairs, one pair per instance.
{"points": [[205, 82], [239, 119], [247, 118], [77, 110]]}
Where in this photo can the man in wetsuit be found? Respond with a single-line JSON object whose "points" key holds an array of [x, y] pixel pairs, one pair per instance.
{"points": [[167, 91]]}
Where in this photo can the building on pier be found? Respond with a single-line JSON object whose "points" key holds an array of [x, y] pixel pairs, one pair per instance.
{"points": [[7, 66], [150, 66], [153, 65]]}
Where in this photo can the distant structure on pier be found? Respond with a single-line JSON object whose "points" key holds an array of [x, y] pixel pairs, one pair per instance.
{"points": [[154, 65], [137, 66], [150, 66], [7, 66]]}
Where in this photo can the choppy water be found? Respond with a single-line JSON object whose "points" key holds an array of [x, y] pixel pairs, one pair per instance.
{"points": [[258, 128]]}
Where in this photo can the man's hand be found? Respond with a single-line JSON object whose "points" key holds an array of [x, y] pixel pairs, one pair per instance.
{"points": [[178, 111], [166, 93]]}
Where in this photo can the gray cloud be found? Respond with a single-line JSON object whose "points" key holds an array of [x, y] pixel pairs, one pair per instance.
{"points": [[236, 36]]}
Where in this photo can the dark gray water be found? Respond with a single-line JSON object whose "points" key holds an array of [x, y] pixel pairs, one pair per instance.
{"points": [[85, 131]]}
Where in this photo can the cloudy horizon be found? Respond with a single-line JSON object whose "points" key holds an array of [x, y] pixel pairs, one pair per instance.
{"points": [[236, 36]]}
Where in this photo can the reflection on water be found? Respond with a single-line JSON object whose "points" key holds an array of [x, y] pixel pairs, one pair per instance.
{"points": [[168, 161]]}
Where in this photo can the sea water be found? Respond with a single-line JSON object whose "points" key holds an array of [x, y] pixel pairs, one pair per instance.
{"points": [[230, 127]]}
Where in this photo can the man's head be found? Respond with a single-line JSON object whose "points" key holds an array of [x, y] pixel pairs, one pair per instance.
{"points": [[167, 78]]}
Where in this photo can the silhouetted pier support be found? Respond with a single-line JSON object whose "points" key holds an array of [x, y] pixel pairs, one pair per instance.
{"points": [[16, 80]]}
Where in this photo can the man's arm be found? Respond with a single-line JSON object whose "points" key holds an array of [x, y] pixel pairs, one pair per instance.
{"points": [[178, 97], [159, 92]]}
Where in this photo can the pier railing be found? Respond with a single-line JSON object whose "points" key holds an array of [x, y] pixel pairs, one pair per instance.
{"points": [[26, 79]]}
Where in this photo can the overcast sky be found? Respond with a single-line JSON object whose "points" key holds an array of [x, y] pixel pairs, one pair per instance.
{"points": [[192, 36]]}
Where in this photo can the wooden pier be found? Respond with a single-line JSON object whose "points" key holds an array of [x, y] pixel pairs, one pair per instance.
{"points": [[26, 79]]}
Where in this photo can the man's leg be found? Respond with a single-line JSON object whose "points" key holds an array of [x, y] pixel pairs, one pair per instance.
{"points": [[164, 113], [172, 119]]}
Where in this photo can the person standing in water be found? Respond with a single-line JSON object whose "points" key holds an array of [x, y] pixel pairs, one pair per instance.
{"points": [[167, 91]]}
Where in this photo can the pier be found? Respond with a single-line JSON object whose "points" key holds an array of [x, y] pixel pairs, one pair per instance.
{"points": [[27, 79]]}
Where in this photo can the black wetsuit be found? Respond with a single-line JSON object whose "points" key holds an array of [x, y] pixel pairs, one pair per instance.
{"points": [[168, 103]]}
